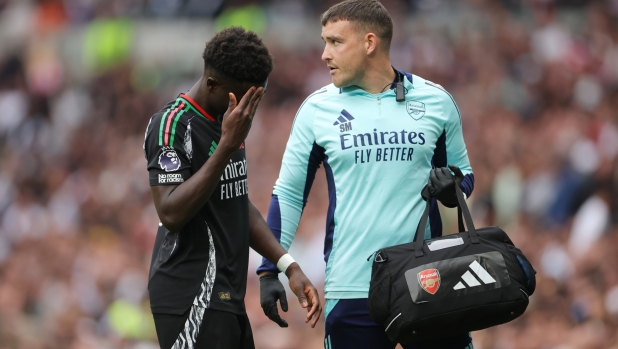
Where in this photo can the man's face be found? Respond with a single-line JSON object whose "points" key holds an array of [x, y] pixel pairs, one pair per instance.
{"points": [[344, 53]]}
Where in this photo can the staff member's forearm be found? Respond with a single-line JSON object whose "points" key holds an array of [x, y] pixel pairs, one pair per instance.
{"points": [[262, 239], [176, 205]]}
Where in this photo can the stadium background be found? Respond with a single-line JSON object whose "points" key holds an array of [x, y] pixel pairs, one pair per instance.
{"points": [[536, 81]]}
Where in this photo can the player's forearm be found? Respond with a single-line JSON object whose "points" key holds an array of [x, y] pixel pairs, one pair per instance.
{"points": [[262, 239], [178, 206]]}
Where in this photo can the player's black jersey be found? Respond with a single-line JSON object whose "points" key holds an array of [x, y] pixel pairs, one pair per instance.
{"points": [[206, 262]]}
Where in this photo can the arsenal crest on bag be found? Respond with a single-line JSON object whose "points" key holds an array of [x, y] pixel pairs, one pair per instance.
{"points": [[429, 279], [449, 285]]}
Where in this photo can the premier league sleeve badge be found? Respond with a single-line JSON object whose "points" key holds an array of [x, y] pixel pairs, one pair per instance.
{"points": [[169, 160]]}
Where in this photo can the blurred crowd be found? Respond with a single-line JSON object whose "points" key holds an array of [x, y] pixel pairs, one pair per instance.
{"points": [[536, 82]]}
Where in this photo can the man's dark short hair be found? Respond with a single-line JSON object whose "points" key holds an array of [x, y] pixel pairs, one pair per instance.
{"points": [[368, 15], [238, 54]]}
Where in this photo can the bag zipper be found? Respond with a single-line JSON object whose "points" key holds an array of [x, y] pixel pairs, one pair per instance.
{"points": [[389, 325], [527, 297]]}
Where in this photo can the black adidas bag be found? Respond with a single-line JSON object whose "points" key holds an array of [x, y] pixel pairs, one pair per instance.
{"points": [[449, 285]]}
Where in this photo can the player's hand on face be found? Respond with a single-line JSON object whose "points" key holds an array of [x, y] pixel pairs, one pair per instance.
{"points": [[238, 117], [307, 294], [272, 290]]}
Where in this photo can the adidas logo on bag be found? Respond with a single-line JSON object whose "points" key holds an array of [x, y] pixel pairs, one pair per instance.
{"points": [[472, 281]]}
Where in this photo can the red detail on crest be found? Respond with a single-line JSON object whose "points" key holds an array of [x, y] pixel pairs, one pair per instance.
{"points": [[429, 280], [242, 146]]}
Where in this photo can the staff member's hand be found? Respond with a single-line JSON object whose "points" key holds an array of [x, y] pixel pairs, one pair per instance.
{"points": [[442, 185], [271, 291]]}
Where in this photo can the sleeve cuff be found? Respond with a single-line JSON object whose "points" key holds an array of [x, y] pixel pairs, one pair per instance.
{"points": [[467, 185], [267, 266]]}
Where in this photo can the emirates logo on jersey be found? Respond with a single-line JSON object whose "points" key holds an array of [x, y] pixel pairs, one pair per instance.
{"points": [[429, 279]]}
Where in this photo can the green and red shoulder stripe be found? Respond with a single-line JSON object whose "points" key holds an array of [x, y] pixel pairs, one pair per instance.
{"points": [[169, 120]]}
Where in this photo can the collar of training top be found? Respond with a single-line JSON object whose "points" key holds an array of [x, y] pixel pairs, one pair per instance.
{"points": [[400, 75]]}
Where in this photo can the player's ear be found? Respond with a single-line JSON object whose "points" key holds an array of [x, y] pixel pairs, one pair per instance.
{"points": [[211, 83]]}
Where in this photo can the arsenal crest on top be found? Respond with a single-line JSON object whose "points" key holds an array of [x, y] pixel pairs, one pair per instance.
{"points": [[416, 109]]}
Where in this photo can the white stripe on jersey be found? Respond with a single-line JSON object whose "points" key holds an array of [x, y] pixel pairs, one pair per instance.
{"points": [[188, 336]]}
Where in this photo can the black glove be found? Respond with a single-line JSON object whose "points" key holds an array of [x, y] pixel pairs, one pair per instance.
{"points": [[272, 290], [442, 185]]}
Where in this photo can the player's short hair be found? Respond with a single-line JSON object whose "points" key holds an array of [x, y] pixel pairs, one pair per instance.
{"points": [[368, 15], [238, 54]]}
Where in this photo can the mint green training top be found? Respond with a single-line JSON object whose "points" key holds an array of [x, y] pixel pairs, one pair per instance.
{"points": [[377, 154]]}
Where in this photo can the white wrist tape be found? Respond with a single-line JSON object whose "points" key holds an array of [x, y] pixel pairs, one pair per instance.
{"points": [[284, 262]]}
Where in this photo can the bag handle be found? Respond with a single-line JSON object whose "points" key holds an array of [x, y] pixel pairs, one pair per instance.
{"points": [[462, 211]]}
